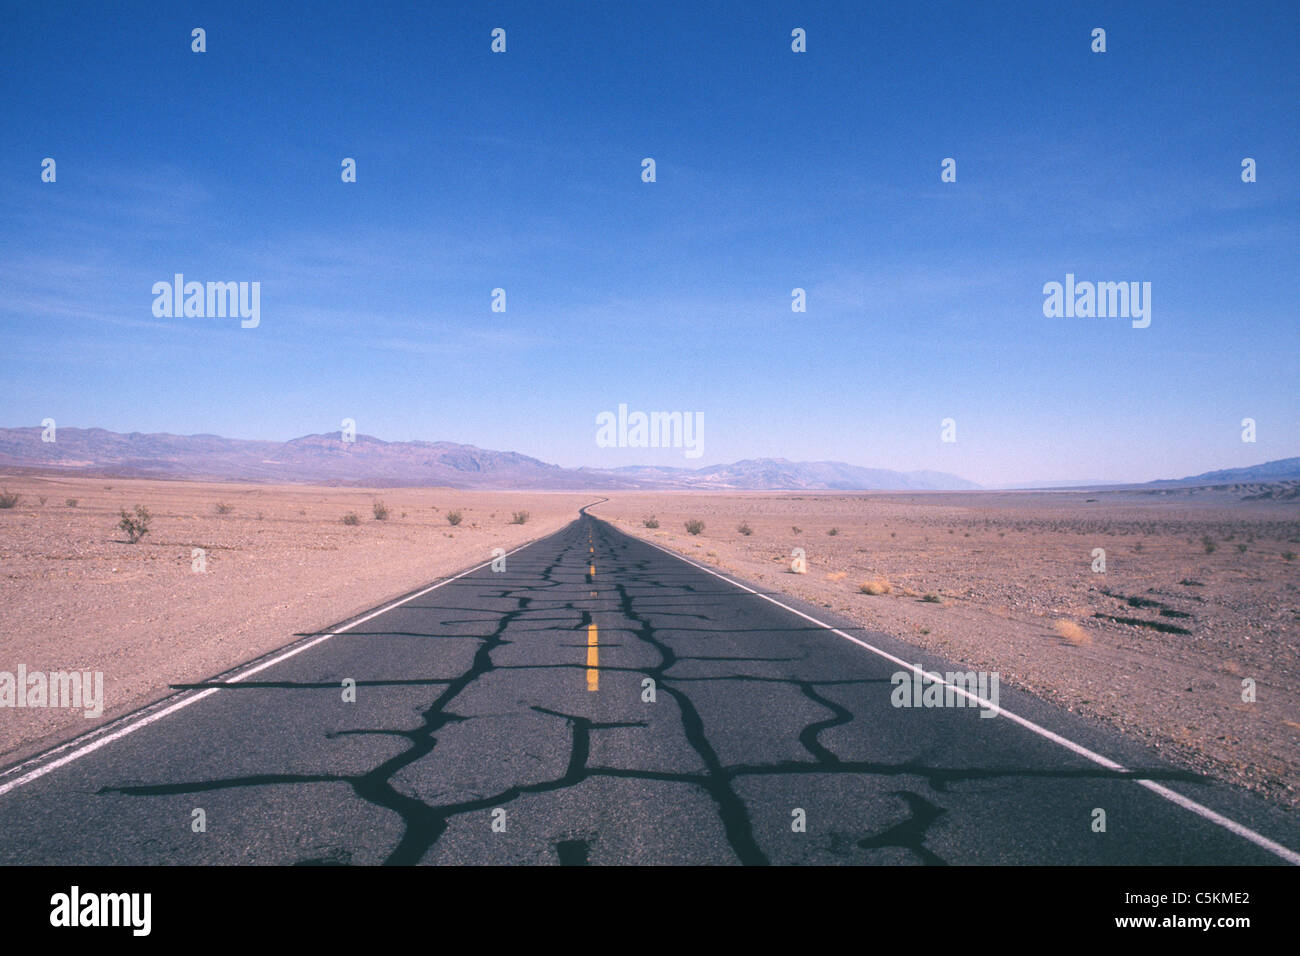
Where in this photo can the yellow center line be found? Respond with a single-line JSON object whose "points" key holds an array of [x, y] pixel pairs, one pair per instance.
{"points": [[593, 659]]}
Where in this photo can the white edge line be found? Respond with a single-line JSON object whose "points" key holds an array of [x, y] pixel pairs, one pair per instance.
{"points": [[1172, 796], [184, 702]]}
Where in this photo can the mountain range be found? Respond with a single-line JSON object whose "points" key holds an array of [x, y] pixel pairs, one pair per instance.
{"points": [[369, 461], [1283, 469]]}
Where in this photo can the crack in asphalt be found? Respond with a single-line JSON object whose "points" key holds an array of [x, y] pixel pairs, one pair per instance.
{"points": [[424, 823], [911, 833]]}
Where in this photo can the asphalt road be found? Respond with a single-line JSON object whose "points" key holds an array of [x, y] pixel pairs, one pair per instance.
{"points": [[505, 717]]}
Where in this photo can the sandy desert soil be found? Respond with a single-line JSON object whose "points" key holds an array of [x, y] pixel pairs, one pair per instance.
{"points": [[1158, 645], [77, 596]]}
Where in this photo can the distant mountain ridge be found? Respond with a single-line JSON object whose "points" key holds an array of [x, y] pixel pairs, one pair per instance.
{"points": [[782, 474], [1249, 478], [1283, 469], [327, 459]]}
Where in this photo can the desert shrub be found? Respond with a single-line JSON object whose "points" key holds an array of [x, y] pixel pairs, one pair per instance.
{"points": [[1208, 544], [877, 586], [380, 509], [454, 517], [1072, 632], [1241, 549], [744, 528], [136, 526], [796, 529], [694, 526], [352, 518], [9, 500], [833, 532], [41, 499], [222, 508], [1137, 548], [519, 517], [1288, 555], [932, 599], [71, 502], [651, 522]]}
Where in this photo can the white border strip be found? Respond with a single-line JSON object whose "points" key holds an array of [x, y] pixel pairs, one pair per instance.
{"points": [[1171, 795], [133, 725]]}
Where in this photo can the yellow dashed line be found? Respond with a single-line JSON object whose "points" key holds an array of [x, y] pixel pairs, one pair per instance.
{"points": [[593, 659]]}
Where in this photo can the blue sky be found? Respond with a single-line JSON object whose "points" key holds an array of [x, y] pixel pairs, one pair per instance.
{"points": [[775, 170]]}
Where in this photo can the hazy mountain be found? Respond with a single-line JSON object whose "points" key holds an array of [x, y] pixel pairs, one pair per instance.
{"points": [[1284, 469], [779, 473], [1250, 478], [326, 459]]}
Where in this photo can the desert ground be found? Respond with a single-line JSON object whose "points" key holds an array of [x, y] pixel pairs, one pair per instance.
{"points": [[279, 561], [1199, 593]]}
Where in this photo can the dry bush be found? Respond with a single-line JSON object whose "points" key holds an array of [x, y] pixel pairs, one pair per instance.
{"points": [[1071, 632], [875, 586], [136, 526]]}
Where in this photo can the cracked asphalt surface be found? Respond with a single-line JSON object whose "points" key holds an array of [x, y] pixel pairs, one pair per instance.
{"points": [[477, 697]]}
